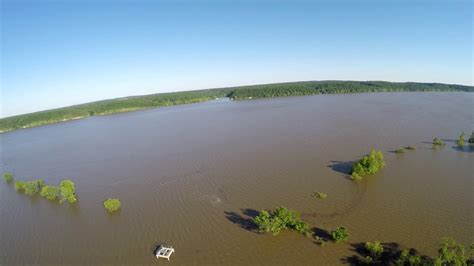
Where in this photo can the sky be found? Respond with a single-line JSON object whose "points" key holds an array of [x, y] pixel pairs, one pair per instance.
{"points": [[60, 53]]}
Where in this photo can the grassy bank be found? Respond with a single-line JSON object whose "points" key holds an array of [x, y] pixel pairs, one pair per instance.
{"points": [[134, 103]]}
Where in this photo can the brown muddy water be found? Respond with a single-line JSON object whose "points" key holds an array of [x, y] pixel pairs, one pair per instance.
{"points": [[193, 175]]}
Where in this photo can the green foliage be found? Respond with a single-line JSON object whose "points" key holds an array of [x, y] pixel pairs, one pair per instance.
{"points": [[67, 191], [340, 234], [320, 195], [8, 177], [368, 165], [29, 187], [50, 192], [112, 106], [335, 87], [20, 186], [461, 139], [408, 259], [128, 104], [374, 248], [437, 143], [410, 148], [450, 253], [400, 150], [112, 204], [471, 139], [280, 219]]}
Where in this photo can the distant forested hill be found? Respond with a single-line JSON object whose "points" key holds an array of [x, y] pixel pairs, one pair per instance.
{"points": [[134, 103]]}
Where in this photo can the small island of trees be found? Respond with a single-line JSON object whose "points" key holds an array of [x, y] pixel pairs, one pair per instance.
{"points": [[368, 165], [65, 192], [8, 177], [280, 219], [112, 205]]}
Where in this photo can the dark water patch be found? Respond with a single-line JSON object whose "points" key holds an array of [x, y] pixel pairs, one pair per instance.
{"points": [[245, 219]]}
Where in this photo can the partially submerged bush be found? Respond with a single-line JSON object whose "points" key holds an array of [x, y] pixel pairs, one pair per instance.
{"points": [[340, 234], [471, 139], [437, 143], [368, 165], [320, 195], [280, 219], [8, 177], [450, 253], [112, 204], [29, 187], [374, 248], [406, 258], [461, 140], [50, 192], [400, 150], [68, 191], [410, 148]]}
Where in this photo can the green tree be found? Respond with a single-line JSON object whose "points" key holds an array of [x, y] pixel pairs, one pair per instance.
{"points": [[20, 186], [368, 165], [374, 248], [406, 258], [280, 219], [450, 253], [437, 143], [340, 234], [471, 139], [112, 205], [29, 187], [50, 192], [8, 177], [68, 191], [461, 139]]}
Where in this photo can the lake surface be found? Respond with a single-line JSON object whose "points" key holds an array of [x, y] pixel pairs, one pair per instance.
{"points": [[192, 176]]}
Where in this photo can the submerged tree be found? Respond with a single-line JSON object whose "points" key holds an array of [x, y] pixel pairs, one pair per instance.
{"points": [[50, 192], [450, 253], [374, 248], [471, 139], [437, 143], [29, 187], [8, 177], [461, 140], [368, 165], [68, 191], [340, 234], [112, 205], [280, 219]]}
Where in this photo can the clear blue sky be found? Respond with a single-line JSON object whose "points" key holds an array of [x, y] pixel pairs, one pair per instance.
{"points": [[59, 53]]}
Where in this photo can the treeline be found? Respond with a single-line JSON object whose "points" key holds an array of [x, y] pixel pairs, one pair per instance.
{"points": [[105, 107], [337, 87], [134, 103]]}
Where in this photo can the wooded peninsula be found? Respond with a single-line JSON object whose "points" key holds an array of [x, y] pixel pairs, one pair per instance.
{"points": [[128, 104]]}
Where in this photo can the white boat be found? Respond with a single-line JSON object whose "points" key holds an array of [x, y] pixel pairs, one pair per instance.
{"points": [[164, 251]]}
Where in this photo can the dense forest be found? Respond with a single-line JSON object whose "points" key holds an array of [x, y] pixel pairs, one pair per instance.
{"points": [[134, 103], [337, 87]]}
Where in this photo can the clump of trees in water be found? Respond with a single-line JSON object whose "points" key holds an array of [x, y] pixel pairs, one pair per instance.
{"points": [[449, 253], [112, 205], [400, 150], [461, 139], [438, 143], [471, 139], [66, 191], [319, 195], [29, 187], [340, 234], [8, 177], [410, 148], [280, 219], [368, 165]]}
